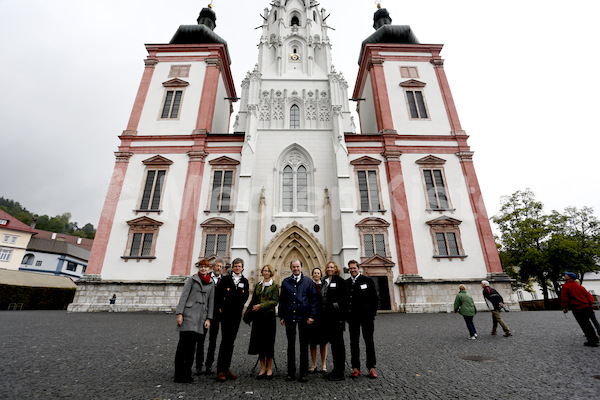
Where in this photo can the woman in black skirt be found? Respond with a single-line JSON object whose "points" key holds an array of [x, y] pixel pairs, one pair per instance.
{"points": [[262, 337], [317, 335]]}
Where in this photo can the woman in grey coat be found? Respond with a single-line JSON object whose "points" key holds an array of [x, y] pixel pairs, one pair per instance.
{"points": [[194, 312]]}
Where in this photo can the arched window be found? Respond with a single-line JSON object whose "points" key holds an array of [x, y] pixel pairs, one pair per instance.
{"points": [[294, 117], [288, 189], [275, 14], [294, 189], [295, 181], [295, 21], [314, 15], [28, 259], [302, 189]]}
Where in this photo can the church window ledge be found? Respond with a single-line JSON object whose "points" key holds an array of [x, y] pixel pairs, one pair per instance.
{"points": [[371, 212], [147, 211], [462, 257], [138, 258], [440, 210]]}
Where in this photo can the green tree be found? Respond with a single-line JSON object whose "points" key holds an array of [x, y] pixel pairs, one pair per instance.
{"points": [[534, 245], [524, 232]]}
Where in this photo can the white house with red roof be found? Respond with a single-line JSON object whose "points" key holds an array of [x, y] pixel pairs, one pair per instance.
{"points": [[14, 238]]}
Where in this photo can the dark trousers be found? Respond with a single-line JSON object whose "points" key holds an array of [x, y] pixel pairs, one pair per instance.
{"points": [[229, 331], [368, 328], [184, 356], [583, 317], [335, 336], [470, 324], [304, 338], [213, 332]]}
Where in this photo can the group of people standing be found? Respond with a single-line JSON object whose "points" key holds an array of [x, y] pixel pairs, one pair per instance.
{"points": [[315, 310]]}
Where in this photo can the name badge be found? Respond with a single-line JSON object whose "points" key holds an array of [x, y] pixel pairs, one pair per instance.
{"points": [[241, 285], [333, 284], [363, 286]]}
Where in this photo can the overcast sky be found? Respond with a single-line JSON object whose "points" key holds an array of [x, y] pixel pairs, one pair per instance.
{"points": [[523, 75]]}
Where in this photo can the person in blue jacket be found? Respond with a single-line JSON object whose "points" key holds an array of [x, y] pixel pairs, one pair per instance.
{"points": [[297, 310]]}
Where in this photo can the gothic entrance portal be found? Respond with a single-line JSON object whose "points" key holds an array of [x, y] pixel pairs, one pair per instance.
{"points": [[291, 243]]}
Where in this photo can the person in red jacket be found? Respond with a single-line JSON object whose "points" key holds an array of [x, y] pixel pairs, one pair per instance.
{"points": [[574, 296]]}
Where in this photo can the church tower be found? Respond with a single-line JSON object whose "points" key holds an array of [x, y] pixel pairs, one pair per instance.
{"points": [[294, 180]]}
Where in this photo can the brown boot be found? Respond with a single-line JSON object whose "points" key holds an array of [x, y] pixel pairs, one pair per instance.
{"points": [[221, 377]]}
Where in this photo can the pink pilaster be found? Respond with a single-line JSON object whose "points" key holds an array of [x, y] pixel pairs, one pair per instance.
{"points": [[188, 220], [98, 252], [484, 230], [209, 94], [381, 100], [140, 98], [407, 259], [440, 73]]}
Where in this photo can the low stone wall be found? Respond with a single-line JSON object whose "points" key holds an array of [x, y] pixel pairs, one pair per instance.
{"points": [[131, 296], [438, 296]]}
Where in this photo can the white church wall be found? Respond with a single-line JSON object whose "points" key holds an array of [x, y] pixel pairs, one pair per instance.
{"points": [[438, 123], [368, 118], [150, 121], [222, 110], [473, 266], [116, 268]]}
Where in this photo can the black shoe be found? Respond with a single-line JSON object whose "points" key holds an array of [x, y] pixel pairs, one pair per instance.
{"points": [[335, 377], [507, 334], [262, 376], [184, 380], [290, 378], [198, 373], [591, 344], [303, 378], [208, 371]]}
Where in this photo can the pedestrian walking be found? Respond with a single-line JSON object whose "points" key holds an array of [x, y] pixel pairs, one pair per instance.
{"points": [[362, 308], [464, 304], [297, 310], [232, 293], [575, 297], [593, 318], [495, 303], [216, 274], [335, 307], [111, 303], [194, 312], [264, 324]]}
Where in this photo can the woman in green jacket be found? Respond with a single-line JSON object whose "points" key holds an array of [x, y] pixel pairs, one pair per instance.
{"points": [[464, 304], [264, 325]]}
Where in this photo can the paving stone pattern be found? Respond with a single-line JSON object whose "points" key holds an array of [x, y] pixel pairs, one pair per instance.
{"points": [[60, 355]]}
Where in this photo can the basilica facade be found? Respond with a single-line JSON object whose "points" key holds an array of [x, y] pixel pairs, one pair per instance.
{"points": [[295, 178]]}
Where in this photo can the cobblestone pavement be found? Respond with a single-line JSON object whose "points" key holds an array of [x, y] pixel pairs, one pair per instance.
{"points": [[55, 354]]}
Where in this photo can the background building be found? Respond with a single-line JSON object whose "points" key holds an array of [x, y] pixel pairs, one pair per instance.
{"points": [[14, 237], [295, 179]]}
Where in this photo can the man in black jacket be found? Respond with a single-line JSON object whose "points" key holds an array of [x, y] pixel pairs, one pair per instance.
{"points": [[231, 295], [297, 309], [495, 303], [362, 309]]}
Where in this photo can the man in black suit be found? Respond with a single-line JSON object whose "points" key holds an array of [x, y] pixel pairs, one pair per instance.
{"points": [[362, 308], [231, 295], [297, 309]]}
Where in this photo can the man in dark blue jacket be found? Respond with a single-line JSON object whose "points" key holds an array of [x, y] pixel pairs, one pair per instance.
{"points": [[297, 309]]}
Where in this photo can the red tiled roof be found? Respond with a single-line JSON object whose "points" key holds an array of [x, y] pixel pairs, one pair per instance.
{"points": [[13, 224]]}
